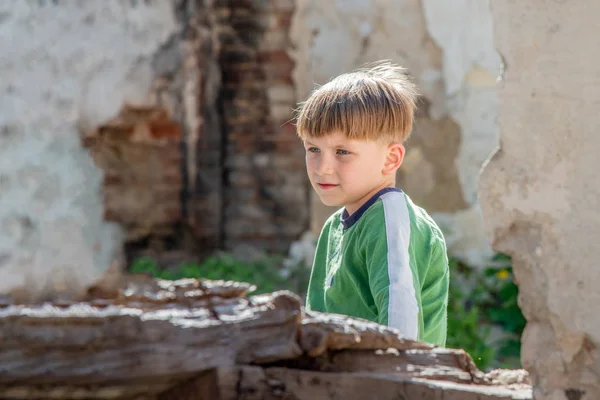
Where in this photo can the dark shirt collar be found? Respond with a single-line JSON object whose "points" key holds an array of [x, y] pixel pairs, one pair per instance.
{"points": [[349, 220]]}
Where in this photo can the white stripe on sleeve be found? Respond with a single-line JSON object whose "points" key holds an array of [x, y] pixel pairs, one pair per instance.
{"points": [[403, 310]]}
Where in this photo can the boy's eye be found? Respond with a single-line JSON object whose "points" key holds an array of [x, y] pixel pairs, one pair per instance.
{"points": [[313, 150], [342, 152]]}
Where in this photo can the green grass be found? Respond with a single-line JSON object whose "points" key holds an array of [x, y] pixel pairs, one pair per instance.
{"points": [[267, 273]]}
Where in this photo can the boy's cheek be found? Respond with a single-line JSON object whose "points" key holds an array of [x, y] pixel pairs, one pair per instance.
{"points": [[310, 169]]}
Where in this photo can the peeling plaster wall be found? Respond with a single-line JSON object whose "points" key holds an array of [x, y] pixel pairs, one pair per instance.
{"points": [[448, 49], [463, 30], [540, 192], [60, 76]]}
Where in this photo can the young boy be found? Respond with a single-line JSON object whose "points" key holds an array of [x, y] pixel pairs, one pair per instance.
{"points": [[380, 257]]}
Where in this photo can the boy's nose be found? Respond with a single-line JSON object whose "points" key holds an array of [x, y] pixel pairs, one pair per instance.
{"points": [[324, 166]]}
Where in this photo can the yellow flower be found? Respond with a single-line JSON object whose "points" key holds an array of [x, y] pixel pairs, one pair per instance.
{"points": [[502, 274]]}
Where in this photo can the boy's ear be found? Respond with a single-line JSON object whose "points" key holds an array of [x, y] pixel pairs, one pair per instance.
{"points": [[394, 158]]}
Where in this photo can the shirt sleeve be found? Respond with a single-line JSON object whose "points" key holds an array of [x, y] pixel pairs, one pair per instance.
{"points": [[434, 295]]}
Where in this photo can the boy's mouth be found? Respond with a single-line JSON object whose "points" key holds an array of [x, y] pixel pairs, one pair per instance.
{"points": [[326, 186]]}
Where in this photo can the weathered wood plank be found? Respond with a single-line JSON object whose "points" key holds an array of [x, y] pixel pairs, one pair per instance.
{"points": [[435, 364], [132, 391], [159, 339], [203, 387], [255, 383], [322, 332], [144, 335]]}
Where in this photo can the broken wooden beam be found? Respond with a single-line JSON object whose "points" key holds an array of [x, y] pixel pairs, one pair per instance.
{"points": [[155, 335], [170, 339], [256, 383]]}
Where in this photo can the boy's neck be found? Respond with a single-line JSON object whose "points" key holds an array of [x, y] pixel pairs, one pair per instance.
{"points": [[352, 208]]}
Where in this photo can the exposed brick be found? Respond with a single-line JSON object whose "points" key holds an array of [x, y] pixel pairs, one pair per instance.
{"points": [[235, 77], [288, 163], [270, 21], [281, 112], [245, 19], [284, 19], [287, 130], [274, 40], [164, 129], [291, 147], [279, 72], [242, 179], [277, 56], [249, 95], [263, 158], [285, 5], [233, 4], [222, 13], [249, 4], [140, 151], [262, 5], [233, 54]]}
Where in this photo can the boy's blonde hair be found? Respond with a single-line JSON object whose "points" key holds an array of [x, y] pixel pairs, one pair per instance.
{"points": [[368, 104]]}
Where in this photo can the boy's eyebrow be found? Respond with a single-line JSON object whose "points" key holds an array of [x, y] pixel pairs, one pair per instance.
{"points": [[340, 144]]}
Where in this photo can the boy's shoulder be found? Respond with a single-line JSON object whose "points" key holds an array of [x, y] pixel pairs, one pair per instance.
{"points": [[398, 207], [394, 207], [423, 220], [334, 218]]}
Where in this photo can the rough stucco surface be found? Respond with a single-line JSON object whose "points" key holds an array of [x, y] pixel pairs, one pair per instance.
{"points": [[463, 31], [448, 49], [58, 76], [540, 191]]}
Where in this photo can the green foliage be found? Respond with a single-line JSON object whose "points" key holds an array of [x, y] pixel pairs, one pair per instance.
{"points": [[465, 330], [478, 301], [267, 273]]}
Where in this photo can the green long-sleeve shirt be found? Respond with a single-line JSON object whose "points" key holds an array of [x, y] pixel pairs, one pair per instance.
{"points": [[386, 263]]}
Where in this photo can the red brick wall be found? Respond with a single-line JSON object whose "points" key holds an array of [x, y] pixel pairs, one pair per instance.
{"points": [[139, 150], [265, 188]]}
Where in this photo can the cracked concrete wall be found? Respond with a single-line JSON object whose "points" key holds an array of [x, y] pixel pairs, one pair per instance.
{"points": [[448, 48], [539, 193], [59, 75]]}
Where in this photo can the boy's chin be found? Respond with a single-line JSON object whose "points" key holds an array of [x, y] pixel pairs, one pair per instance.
{"points": [[330, 202]]}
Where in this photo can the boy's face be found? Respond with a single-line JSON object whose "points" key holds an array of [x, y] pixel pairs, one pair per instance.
{"points": [[347, 172]]}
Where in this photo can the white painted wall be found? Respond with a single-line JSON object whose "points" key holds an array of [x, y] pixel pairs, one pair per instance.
{"points": [[464, 32], [65, 65]]}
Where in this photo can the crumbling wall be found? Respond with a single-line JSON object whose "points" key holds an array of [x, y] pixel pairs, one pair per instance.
{"points": [[265, 184], [60, 76], [225, 77], [182, 108], [448, 49], [140, 153], [540, 191]]}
